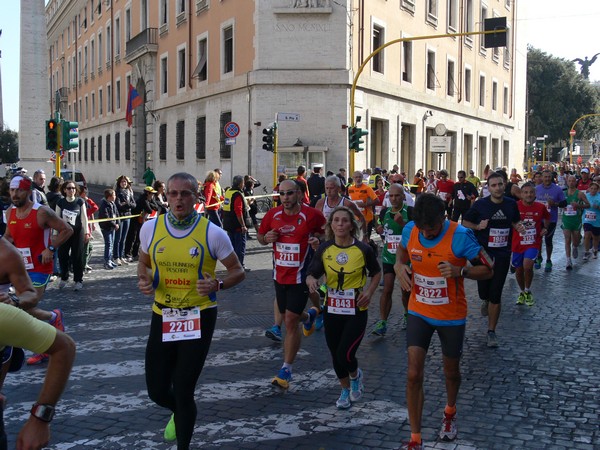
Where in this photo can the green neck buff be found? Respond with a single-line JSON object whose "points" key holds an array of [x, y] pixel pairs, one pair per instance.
{"points": [[182, 224]]}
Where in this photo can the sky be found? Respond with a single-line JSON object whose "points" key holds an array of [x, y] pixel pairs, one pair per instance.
{"points": [[560, 28]]}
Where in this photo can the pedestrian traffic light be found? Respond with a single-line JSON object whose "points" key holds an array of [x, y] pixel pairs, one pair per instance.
{"points": [[355, 135], [51, 135], [70, 135], [269, 136]]}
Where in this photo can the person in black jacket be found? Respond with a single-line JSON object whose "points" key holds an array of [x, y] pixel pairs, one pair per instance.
{"points": [[108, 210], [145, 205], [316, 185], [125, 203]]}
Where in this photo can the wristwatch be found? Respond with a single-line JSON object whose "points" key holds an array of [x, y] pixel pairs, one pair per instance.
{"points": [[14, 299], [43, 412], [52, 248], [220, 284]]}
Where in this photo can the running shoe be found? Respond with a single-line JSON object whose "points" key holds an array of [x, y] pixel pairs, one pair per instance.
{"points": [[537, 263], [569, 264], [37, 359], [448, 431], [113, 264], [484, 307], [380, 328], [521, 298], [412, 445], [356, 387], [274, 333], [575, 252], [170, 435], [118, 262], [78, 286], [308, 327], [404, 322], [58, 320], [108, 266], [62, 284], [595, 254], [513, 269], [124, 262], [283, 378], [492, 340], [586, 256], [319, 322], [344, 401], [548, 267], [529, 301], [88, 269]]}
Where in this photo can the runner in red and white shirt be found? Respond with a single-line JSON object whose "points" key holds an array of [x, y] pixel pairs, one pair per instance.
{"points": [[445, 187], [292, 228], [526, 246]]}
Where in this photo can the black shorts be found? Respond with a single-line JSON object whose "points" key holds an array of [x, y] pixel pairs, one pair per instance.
{"points": [[419, 333], [491, 289], [592, 229], [388, 268], [291, 297]]}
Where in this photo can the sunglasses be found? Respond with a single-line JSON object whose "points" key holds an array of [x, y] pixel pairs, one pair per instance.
{"points": [[286, 193]]}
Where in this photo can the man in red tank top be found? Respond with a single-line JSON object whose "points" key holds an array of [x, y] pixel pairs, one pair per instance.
{"points": [[29, 229]]}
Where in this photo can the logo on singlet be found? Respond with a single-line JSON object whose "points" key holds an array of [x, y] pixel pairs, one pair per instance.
{"points": [[194, 252], [341, 258]]}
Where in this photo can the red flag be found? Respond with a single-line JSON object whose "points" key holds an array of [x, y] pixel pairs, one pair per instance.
{"points": [[133, 101]]}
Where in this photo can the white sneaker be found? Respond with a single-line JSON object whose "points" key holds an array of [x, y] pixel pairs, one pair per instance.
{"points": [[78, 286], [356, 387], [344, 401]]}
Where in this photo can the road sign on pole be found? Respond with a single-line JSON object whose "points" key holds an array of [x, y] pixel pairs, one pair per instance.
{"points": [[231, 130], [572, 132]]}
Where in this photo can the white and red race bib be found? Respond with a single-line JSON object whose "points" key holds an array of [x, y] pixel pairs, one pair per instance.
{"points": [[498, 237], [287, 255], [392, 242], [431, 290], [341, 301], [180, 324]]}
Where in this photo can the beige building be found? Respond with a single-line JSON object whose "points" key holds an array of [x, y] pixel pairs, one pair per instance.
{"points": [[201, 64]]}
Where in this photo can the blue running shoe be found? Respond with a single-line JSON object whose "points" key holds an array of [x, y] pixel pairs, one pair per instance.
{"points": [[319, 322], [283, 378], [274, 333], [308, 327]]}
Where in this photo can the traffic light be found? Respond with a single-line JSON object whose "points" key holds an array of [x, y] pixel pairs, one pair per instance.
{"points": [[70, 135], [355, 135], [269, 136], [498, 38], [51, 135]]}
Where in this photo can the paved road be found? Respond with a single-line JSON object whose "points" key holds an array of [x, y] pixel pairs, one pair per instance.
{"points": [[540, 389]]}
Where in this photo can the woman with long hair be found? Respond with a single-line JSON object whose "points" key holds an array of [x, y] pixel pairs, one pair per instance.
{"points": [[72, 209], [345, 261], [213, 200], [125, 202]]}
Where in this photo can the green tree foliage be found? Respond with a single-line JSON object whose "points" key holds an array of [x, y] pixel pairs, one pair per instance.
{"points": [[9, 147], [558, 96]]}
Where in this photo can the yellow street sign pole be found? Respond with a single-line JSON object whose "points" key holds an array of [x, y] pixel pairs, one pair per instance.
{"points": [[396, 41], [573, 135]]}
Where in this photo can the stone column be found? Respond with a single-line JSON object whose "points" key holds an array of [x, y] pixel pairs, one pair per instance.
{"points": [[33, 91]]}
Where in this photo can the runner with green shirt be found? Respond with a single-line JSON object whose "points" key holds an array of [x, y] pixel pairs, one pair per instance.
{"points": [[571, 219], [392, 221]]}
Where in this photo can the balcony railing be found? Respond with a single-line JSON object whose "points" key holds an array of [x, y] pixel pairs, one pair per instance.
{"points": [[143, 42]]}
